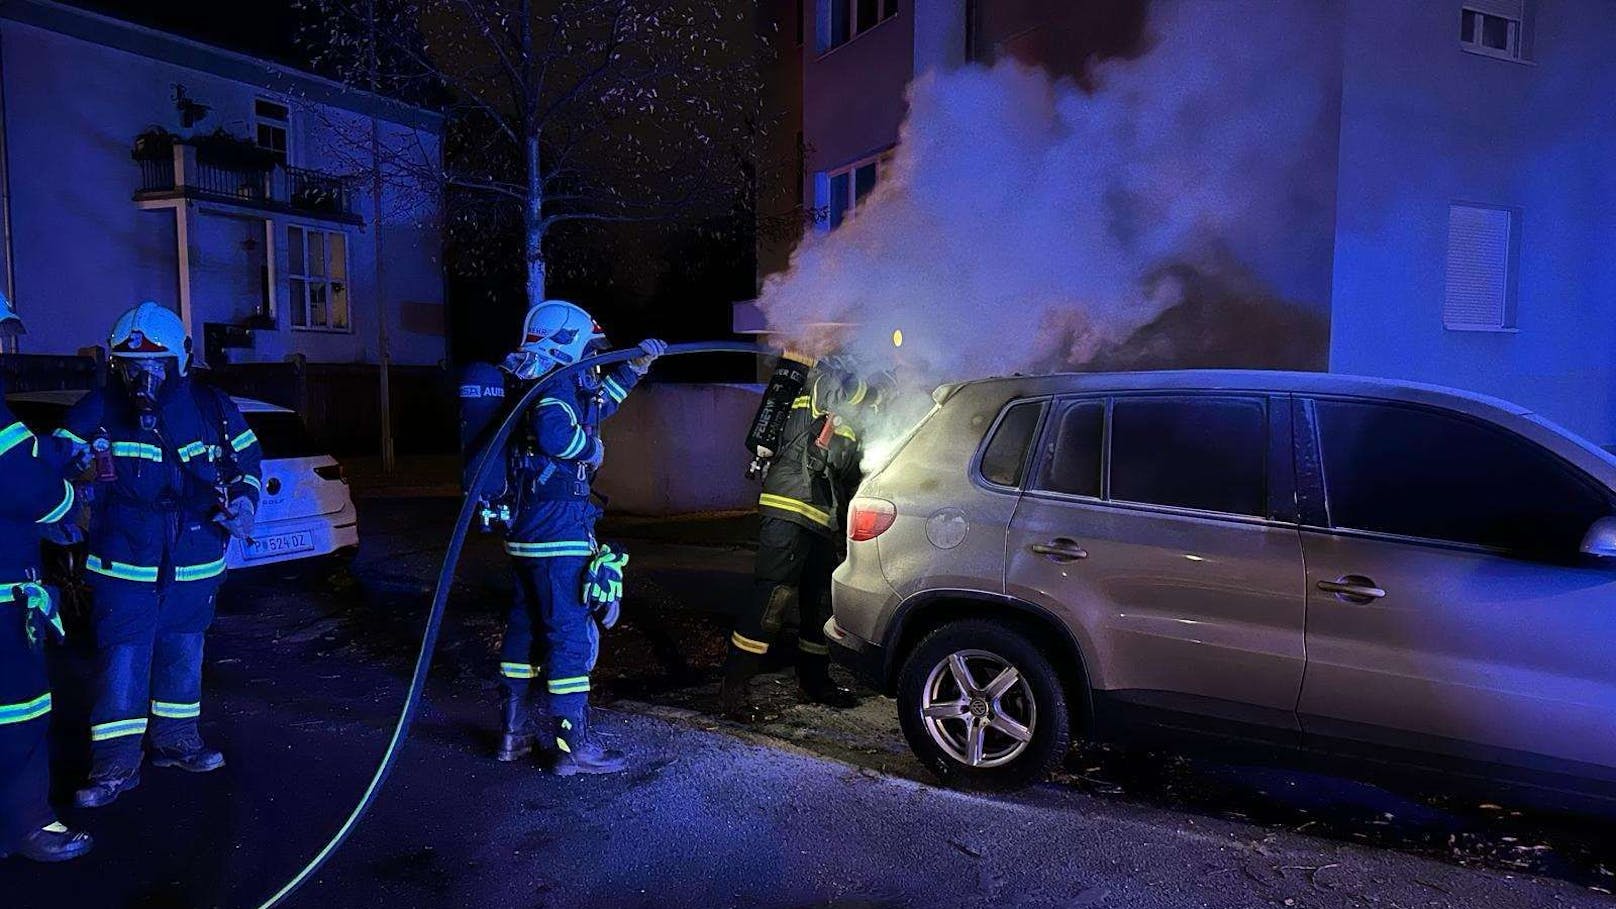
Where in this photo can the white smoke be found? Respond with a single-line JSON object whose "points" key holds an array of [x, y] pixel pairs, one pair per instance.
{"points": [[1024, 223]]}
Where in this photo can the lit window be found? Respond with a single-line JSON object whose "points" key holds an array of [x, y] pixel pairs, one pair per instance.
{"points": [[272, 127], [1495, 28], [843, 20], [1482, 244], [317, 275]]}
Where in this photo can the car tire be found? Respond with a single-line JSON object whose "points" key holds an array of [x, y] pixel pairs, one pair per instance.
{"points": [[1036, 702]]}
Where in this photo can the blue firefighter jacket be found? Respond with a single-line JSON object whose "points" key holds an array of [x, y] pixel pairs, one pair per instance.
{"points": [[552, 465], [32, 494], [154, 522]]}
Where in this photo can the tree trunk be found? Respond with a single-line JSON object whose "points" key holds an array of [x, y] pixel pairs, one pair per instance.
{"points": [[533, 224]]}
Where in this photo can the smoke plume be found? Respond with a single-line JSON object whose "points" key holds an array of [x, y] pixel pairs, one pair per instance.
{"points": [[1166, 217]]}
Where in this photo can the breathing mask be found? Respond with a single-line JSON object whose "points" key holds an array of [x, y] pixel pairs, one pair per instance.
{"points": [[143, 379]]}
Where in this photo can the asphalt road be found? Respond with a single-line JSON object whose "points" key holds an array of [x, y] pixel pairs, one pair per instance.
{"points": [[307, 665]]}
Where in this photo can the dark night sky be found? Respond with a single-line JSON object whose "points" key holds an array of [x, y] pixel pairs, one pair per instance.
{"points": [[265, 28]]}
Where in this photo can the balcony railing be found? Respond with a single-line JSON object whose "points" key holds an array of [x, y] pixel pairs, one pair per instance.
{"points": [[189, 172]]}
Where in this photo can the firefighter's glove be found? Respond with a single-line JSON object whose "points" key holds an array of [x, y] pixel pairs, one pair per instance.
{"points": [[653, 348], [603, 586], [65, 532], [238, 519], [43, 617]]}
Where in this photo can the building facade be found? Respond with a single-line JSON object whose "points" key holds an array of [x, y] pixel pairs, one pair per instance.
{"points": [[240, 193], [1467, 232]]}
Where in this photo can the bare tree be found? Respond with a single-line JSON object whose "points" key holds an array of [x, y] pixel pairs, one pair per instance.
{"points": [[560, 111]]}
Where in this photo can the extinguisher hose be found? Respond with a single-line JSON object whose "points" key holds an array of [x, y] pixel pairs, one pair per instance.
{"points": [[490, 458]]}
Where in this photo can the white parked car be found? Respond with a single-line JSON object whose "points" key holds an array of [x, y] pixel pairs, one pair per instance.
{"points": [[305, 510]]}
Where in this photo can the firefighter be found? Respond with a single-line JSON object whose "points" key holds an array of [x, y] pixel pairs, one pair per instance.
{"points": [[551, 636], [33, 496], [803, 505], [176, 477]]}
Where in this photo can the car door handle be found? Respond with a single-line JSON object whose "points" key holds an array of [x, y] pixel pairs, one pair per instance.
{"points": [[1353, 588], [1060, 549]]}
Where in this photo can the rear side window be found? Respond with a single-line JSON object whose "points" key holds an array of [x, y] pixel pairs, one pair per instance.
{"points": [[282, 435], [1206, 453], [1004, 461], [1421, 473], [1074, 450]]}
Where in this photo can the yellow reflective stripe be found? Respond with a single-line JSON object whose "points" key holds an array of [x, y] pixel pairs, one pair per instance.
{"points": [[245, 439], [573, 685], [117, 730], [171, 711], [800, 404], [252, 481], [770, 500], [118, 570], [138, 450], [15, 435], [858, 395], [808, 647], [846, 433], [28, 710], [578, 548], [70, 436], [193, 450], [615, 390], [517, 670], [557, 402], [747, 644], [60, 511], [579, 440], [199, 572]]}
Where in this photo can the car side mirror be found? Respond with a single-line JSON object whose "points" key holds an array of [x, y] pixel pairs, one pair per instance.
{"points": [[1600, 540]]}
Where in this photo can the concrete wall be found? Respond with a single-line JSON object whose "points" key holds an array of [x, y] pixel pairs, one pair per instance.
{"points": [[677, 449], [1425, 124], [853, 94], [83, 250]]}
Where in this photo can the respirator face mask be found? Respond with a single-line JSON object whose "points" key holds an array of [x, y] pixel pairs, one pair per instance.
{"points": [[143, 380]]}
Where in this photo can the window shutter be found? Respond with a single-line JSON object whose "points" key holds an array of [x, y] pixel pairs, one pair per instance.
{"points": [[1509, 9], [1478, 267]]}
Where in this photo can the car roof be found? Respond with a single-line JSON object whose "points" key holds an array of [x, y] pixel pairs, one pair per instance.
{"points": [[69, 397], [1318, 383]]}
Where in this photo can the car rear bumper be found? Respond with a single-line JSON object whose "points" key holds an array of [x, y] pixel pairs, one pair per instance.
{"points": [[327, 534], [864, 659]]}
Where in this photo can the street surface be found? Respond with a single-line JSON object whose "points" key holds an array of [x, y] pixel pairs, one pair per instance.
{"points": [[308, 663]]}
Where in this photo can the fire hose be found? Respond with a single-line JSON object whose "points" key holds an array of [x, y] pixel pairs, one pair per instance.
{"points": [[492, 454]]}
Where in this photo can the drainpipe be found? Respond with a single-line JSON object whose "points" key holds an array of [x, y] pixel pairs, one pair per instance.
{"points": [[10, 277]]}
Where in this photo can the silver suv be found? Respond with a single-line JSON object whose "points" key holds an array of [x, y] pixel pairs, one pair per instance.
{"points": [[1366, 567]]}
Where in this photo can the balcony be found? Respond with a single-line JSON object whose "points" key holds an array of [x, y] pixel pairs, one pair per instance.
{"points": [[233, 172]]}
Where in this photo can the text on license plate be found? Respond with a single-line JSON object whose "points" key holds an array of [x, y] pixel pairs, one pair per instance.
{"points": [[280, 544]]}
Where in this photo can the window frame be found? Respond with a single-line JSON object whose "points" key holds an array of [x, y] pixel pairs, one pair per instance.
{"points": [[346, 283], [1515, 51], [1031, 463], [826, 42], [1313, 487], [1279, 479], [283, 124], [827, 181]]}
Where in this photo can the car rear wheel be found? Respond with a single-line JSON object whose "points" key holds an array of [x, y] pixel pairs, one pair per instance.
{"points": [[982, 706]]}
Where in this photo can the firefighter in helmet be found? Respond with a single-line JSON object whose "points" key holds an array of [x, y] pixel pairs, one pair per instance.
{"points": [[810, 479], [567, 584], [33, 497], [177, 476]]}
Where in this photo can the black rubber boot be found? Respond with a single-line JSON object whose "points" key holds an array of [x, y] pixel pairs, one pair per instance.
{"points": [[735, 691], [516, 728], [54, 843], [188, 753], [105, 786], [815, 685], [579, 752]]}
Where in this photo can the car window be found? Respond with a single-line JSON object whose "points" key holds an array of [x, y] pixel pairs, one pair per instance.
{"points": [[1421, 473], [282, 435], [1004, 462], [1073, 450], [1207, 453]]}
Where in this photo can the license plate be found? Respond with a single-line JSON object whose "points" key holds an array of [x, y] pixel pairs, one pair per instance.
{"points": [[278, 545]]}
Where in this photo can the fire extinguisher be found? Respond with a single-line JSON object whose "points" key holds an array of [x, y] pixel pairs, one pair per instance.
{"points": [[786, 385]]}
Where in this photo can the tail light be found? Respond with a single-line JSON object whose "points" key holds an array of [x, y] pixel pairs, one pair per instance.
{"points": [[332, 472], [869, 518]]}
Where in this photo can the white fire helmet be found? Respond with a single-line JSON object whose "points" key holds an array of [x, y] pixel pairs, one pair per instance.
{"points": [[150, 331], [10, 322], [554, 334]]}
